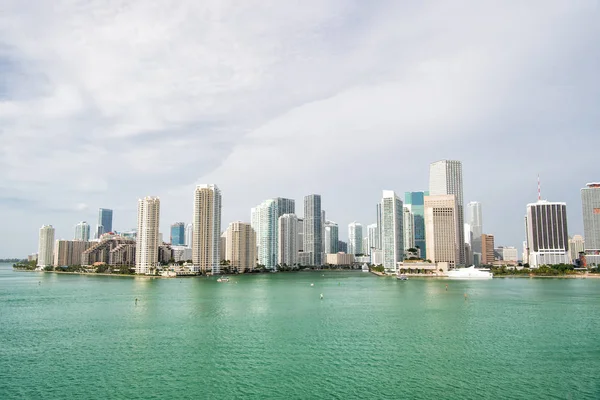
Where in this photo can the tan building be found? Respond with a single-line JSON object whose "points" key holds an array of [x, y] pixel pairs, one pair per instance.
{"points": [[441, 229], [241, 247], [487, 249], [340, 259], [100, 252], [206, 237], [69, 252], [123, 254]]}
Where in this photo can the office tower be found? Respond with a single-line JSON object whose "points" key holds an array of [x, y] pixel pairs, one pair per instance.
{"points": [[189, 232], [287, 241], [415, 202], [392, 230], [331, 237], [445, 178], [442, 229], [487, 249], [355, 238], [312, 229], [105, 219], [576, 246], [70, 252], [590, 201], [547, 233], [82, 231], [372, 237], [300, 245], [241, 247], [409, 229], [45, 246], [474, 219], [264, 223], [146, 252], [178, 234], [510, 254], [206, 235], [342, 246]]}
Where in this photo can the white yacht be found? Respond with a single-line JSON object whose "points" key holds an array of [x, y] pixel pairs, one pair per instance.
{"points": [[470, 273]]}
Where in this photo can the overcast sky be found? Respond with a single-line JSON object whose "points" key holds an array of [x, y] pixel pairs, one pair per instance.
{"points": [[103, 102]]}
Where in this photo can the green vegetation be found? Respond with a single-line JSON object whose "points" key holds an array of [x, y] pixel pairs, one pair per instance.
{"points": [[377, 268], [70, 268], [544, 270], [12, 260], [25, 265]]}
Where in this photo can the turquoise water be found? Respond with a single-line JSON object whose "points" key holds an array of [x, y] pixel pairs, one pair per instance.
{"points": [[270, 336]]}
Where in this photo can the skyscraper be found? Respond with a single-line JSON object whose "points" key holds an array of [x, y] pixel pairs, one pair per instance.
{"points": [[287, 241], [409, 228], [379, 236], [331, 237], [206, 236], [82, 231], [576, 246], [241, 246], [189, 231], [372, 237], [590, 201], [147, 242], [105, 219], [264, 222], [547, 233], [392, 230], [313, 227], [415, 202], [442, 229], [487, 249], [475, 221], [445, 178], [45, 246], [355, 237], [178, 234]]}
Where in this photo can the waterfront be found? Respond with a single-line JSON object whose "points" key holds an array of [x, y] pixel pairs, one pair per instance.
{"points": [[270, 336]]}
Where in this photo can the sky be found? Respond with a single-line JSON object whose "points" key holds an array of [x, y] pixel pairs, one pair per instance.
{"points": [[103, 102]]}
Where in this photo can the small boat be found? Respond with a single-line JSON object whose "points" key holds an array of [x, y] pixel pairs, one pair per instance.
{"points": [[470, 273], [402, 277], [223, 279]]}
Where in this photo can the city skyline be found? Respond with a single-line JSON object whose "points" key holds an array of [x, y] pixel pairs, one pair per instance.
{"points": [[125, 116]]}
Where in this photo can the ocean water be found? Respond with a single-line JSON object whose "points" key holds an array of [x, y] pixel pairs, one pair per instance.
{"points": [[271, 336]]}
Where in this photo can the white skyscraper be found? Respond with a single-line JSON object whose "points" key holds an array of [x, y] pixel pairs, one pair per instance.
{"points": [[392, 230], [206, 236], [355, 238], [82, 231], [547, 233], [576, 246], [313, 229], [264, 223], [147, 242], [442, 229], [189, 232], [475, 220], [445, 178], [46, 246], [590, 201], [331, 237], [287, 240], [372, 237], [409, 229]]}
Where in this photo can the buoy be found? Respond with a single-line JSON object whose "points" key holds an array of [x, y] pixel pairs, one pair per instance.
{"points": [[446, 288], [136, 300], [465, 296], [312, 284], [321, 296]]}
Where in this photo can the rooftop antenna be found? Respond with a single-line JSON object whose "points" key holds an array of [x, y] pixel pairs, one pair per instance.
{"points": [[539, 189]]}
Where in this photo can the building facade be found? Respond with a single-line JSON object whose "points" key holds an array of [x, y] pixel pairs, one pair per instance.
{"points": [[409, 228], [206, 236], [590, 201], [177, 234], [372, 238], [331, 237], [355, 238], [82, 231], [146, 257], [474, 219], [442, 229], [241, 247], [445, 178], [69, 252], [105, 222], [576, 246], [340, 259], [287, 241], [392, 230], [547, 233], [487, 249], [46, 246], [313, 228], [415, 202]]}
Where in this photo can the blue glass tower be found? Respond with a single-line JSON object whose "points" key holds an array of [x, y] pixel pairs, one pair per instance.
{"points": [[105, 217], [416, 201], [178, 234]]}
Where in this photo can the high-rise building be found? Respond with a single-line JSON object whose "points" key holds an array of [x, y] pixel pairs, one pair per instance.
{"points": [[69, 252], [313, 228], [415, 202], [189, 231], [547, 233], [147, 242], [342, 246], [590, 201], [178, 234], [378, 222], [241, 247], [510, 254], [45, 246], [300, 236], [82, 231], [409, 228], [445, 178], [331, 237], [264, 223], [99, 231], [105, 219], [475, 221], [576, 246], [355, 238], [206, 236], [223, 246], [372, 237], [287, 240], [487, 249], [442, 229], [392, 230]]}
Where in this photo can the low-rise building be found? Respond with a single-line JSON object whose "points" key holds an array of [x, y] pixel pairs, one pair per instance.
{"points": [[99, 252], [340, 259]]}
